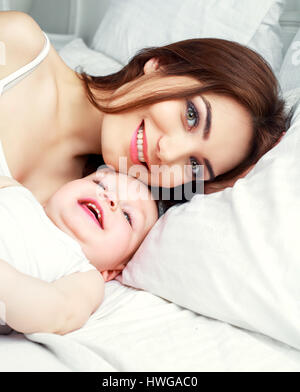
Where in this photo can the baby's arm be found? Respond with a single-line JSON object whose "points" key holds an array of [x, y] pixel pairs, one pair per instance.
{"points": [[32, 305]]}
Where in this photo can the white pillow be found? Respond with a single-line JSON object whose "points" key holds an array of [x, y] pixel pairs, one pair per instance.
{"points": [[234, 255], [290, 72], [77, 54], [131, 25]]}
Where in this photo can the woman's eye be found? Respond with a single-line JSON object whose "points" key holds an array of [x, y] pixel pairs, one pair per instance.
{"points": [[128, 217], [192, 115], [196, 168]]}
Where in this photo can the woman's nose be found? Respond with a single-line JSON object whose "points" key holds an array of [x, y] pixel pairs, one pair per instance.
{"points": [[171, 148]]}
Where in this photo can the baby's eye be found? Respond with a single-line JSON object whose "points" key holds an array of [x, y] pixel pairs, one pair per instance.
{"points": [[192, 115], [128, 217], [100, 184]]}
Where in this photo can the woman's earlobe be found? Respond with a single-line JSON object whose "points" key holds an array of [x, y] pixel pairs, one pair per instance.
{"points": [[151, 65]]}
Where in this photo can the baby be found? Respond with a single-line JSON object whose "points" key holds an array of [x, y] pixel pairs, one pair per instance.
{"points": [[54, 261]]}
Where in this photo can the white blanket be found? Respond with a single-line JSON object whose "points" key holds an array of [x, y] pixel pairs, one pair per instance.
{"points": [[137, 331]]}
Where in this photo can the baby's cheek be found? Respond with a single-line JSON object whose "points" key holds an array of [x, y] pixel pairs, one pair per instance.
{"points": [[110, 248], [113, 245], [121, 239]]}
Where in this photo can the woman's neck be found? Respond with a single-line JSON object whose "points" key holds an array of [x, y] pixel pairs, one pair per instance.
{"points": [[79, 120]]}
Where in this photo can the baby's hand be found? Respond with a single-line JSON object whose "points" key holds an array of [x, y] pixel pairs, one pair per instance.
{"points": [[7, 181]]}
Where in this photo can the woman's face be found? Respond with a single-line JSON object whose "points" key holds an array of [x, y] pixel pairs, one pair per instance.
{"points": [[175, 137]]}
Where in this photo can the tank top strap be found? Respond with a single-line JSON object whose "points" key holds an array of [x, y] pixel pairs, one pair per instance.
{"points": [[21, 73]]}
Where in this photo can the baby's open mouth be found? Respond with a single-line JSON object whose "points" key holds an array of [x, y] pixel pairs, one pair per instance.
{"points": [[94, 210]]}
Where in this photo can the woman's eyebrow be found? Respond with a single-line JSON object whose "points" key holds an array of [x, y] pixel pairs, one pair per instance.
{"points": [[208, 119]]}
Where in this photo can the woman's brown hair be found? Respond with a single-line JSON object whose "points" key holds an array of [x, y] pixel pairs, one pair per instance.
{"points": [[221, 67]]}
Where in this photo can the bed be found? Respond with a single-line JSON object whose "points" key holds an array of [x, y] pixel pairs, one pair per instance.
{"points": [[136, 331], [141, 326]]}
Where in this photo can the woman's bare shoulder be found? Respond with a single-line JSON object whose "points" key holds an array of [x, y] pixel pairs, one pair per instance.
{"points": [[22, 40]]}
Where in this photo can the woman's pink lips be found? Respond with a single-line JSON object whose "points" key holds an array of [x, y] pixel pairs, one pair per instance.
{"points": [[83, 203]]}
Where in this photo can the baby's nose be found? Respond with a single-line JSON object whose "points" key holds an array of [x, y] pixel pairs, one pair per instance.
{"points": [[112, 200]]}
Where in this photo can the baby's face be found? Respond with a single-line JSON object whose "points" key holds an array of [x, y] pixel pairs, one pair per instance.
{"points": [[108, 213]]}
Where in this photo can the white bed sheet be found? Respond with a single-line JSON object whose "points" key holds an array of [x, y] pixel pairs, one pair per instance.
{"points": [[21, 355], [136, 331]]}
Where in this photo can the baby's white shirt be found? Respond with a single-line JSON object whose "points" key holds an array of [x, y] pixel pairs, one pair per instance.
{"points": [[30, 241]]}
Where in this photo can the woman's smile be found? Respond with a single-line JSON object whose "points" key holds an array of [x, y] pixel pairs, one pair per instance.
{"points": [[138, 147]]}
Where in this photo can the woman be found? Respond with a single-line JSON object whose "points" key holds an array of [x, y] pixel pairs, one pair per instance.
{"points": [[198, 102]]}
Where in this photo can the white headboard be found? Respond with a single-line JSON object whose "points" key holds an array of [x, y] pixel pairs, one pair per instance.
{"points": [[92, 11], [82, 17], [290, 21]]}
